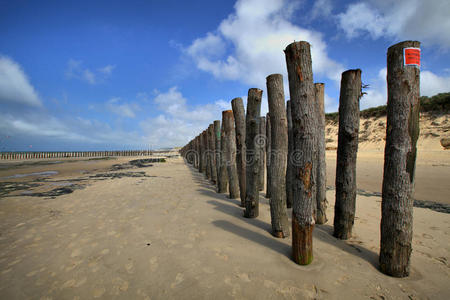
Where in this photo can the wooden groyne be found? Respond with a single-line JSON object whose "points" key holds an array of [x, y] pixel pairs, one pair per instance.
{"points": [[71, 154]]}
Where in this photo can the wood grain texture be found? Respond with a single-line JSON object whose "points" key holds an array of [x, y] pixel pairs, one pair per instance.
{"points": [[252, 123], [344, 208], [402, 132]]}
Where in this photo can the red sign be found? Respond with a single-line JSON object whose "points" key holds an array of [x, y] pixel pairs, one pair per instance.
{"points": [[411, 56]]}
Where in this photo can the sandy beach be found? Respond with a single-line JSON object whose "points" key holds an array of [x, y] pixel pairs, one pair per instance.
{"points": [[162, 232]]}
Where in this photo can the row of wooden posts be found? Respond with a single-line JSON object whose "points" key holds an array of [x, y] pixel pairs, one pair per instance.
{"points": [[292, 140], [34, 155]]}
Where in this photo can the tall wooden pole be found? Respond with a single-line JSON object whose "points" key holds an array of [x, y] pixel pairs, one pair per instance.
{"points": [[252, 153], [400, 158], [217, 147], [290, 166], [261, 141], [207, 155], [198, 149], [278, 155], [301, 88], [344, 208], [321, 196], [230, 153], [268, 149], [222, 180], [239, 118], [212, 152], [202, 153]]}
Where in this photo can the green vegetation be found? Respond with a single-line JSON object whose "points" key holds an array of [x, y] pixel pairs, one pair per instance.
{"points": [[436, 103]]}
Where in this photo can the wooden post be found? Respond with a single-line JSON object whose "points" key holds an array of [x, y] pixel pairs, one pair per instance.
{"points": [[303, 111], [321, 196], [202, 153], [261, 143], [230, 153], [239, 118], [399, 160], [217, 147], [278, 157], [344, 208], [289, 169], [198, 150], [222, 180], [252, 160], [207, 156], [268, 148], [212, 153]]}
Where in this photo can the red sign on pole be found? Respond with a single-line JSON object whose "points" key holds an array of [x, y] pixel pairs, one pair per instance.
{"points": [[411, 56]]}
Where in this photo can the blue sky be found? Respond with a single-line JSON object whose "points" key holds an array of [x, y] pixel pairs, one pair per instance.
{"points": [[94, 75]]}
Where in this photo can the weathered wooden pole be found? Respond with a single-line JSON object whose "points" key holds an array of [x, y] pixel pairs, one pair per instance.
{"points": [[321, 196], [230, 153], [217, 147], [207, 155], [202, 166], [268, 148], [403, 80], [344, 208], [290, 166], [212, 152], [222, 180], [239, 119], [278, 157], [252, 153], [303, 111], [261, 143], [199, 155]]}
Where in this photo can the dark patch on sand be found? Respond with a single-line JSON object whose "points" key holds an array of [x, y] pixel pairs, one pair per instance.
{"points": [[56, 192], [9, 187], [439, 207], [137, 163], [102, 176]]}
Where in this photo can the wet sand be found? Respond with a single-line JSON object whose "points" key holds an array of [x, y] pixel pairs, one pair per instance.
{"points": [[165, 233]]}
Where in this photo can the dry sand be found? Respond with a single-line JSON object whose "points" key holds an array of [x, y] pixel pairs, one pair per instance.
{"points": [[170, 235]]}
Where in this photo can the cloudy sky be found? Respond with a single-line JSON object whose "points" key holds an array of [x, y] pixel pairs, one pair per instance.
{"points": [[94, 75]]}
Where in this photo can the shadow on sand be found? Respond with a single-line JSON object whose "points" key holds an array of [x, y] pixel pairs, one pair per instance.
{"points": [[231, 207]]}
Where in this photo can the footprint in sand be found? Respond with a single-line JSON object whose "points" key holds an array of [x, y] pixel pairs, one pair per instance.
{"points": [[427, 236], [68, 284], [98, 291], [178, 279], [153, 263], [129, 267], [75, 253], [81, 282], [243, 277], [120, 285], [32, 273]]}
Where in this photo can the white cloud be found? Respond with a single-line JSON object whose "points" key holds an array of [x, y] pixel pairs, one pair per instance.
{"points": [[178, 122], [107, 70], [128, 110], [14, 84], [254, 37], [432, 84], [426, 21], [75, 69], [321, 8]]}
